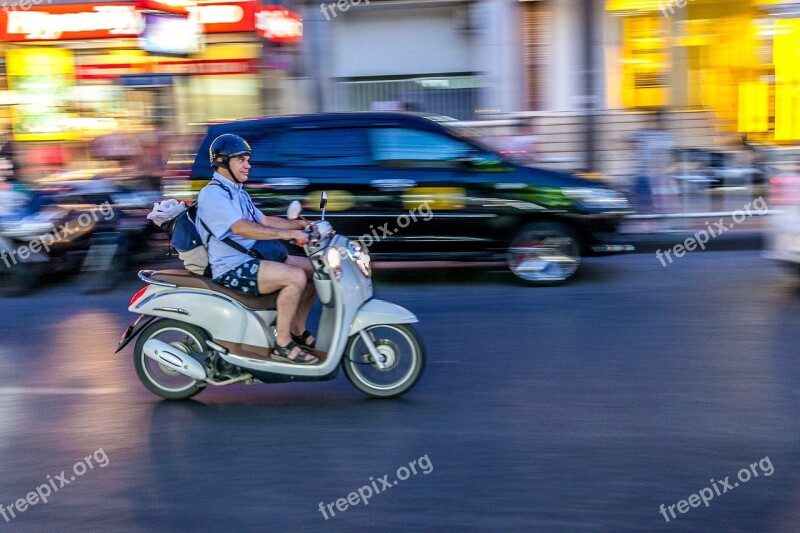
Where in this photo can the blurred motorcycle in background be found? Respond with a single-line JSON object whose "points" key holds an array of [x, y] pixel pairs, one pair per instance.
{"points": [[122, 237], [79, 222], [120, 243], [38, 239]]}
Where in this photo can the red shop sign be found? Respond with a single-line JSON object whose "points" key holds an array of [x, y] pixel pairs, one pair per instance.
{"points": [[279, 25], [200, 67], [229, 17], [104, 71], [208, 67], [72, 21], [177, 7]]}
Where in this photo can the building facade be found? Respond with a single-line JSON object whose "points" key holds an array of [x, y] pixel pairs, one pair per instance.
{"points": [[77, 70]]}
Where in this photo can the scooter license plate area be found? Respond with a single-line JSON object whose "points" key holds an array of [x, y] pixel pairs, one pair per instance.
{"points": [[128, 331], [132, 330]]}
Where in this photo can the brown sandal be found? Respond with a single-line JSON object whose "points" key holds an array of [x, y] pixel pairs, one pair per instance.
{"points": [[283, 354]]}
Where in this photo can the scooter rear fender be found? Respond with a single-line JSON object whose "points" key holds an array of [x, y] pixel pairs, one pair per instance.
{"points": [[223, 318]]}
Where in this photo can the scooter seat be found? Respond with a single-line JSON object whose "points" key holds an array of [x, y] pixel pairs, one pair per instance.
{"points": [[184, 278]]}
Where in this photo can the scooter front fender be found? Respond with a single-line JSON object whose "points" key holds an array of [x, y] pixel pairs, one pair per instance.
{"points": [[374, 312]]}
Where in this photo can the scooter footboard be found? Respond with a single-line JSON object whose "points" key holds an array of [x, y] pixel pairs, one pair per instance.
{"points": [[374, 312]]}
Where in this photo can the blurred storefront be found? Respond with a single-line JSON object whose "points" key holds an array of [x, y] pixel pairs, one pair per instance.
{"points": [[394, 55], [735, 58], [76, 71]]}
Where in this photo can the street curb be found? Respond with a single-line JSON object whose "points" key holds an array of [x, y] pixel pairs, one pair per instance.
{"points": [[651, 243]]}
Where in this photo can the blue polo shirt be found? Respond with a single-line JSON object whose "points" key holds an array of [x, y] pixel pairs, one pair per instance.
{"points": [[219, 206]]}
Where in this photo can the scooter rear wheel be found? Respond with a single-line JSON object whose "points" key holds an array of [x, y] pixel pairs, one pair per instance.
{"points": [[159, 379], [403, 354]]}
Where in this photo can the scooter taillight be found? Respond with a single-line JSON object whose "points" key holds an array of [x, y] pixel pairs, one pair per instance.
{"points": [[138, 295]]}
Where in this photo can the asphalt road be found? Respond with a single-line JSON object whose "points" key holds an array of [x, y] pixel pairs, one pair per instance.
{"points": [[581, 407]]}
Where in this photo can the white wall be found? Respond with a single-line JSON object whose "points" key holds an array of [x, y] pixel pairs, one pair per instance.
{"points": [[565, 86], [369, 40], [498, 54]]}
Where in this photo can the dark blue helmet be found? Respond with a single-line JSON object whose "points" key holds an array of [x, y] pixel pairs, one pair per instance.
{"points": [[226, 146]]}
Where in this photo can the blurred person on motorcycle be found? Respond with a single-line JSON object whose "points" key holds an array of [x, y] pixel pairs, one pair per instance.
{"points": [[26, 200], [225, 211]]}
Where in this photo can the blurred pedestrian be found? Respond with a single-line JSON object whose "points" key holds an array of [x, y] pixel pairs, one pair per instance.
{"points": [[522, 146], [655, 190], [151, 159], [7, 169]]}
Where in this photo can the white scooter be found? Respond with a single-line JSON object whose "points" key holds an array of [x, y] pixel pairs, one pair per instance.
{"points": [[196, 333]]}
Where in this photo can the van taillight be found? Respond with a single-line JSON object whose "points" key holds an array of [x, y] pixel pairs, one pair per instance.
{"points": [[138, 295], [784, 190]]}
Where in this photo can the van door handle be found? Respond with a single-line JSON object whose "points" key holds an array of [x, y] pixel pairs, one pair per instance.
{"points": [[393, 184], [287, 183]]}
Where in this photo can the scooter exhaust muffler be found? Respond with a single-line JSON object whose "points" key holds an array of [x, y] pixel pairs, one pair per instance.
{"points": [[174, 359]]}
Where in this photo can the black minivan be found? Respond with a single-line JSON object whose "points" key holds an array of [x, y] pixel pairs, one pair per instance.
{"points": [[410, 187]]}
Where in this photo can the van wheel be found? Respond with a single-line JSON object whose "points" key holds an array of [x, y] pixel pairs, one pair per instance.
{"points": [[544, 253]]}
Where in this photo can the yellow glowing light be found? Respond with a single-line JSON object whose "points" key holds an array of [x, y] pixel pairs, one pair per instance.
{"points": [[337, 201], [43, 75], [787, 80], [437, 198], [753, 106]]}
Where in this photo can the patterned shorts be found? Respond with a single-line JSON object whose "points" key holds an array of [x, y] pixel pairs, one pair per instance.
{"points": [[242, 278]]}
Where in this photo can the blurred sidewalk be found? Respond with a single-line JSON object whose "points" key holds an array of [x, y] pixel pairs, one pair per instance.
{"points": [[651, 233]]}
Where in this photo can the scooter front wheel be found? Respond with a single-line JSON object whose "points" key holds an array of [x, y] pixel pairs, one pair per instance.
{"points": [[159, 379], [402, 353]]}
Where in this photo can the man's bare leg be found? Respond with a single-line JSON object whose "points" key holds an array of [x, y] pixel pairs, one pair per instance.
{"points": [[290, 283], [306, 299]]}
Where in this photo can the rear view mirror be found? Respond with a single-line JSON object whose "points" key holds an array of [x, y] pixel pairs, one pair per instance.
{"points": [[293, 212], [323, 201]]}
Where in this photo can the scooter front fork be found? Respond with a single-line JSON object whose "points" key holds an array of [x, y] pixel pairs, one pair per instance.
{"points": [[377, 358]]}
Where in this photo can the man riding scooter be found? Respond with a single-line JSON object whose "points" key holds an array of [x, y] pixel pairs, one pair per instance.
{"points": [[225, 211]]}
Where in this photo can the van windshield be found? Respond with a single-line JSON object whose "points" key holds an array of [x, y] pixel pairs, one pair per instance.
{"points": [[473, 135]]}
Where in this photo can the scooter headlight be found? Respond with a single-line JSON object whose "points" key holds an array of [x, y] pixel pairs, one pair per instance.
{"points": [[360, 258], [334, 261]]}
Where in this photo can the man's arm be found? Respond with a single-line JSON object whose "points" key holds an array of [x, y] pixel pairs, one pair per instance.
{"points": [[261, 232], [282, 223]]}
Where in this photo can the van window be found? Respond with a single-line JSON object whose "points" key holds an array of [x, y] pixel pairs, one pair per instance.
{"points": [[322, 148], [263, 146], [416, 148]]}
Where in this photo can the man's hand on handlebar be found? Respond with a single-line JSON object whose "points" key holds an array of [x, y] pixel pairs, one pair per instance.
{"points": [[298, 237]]}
